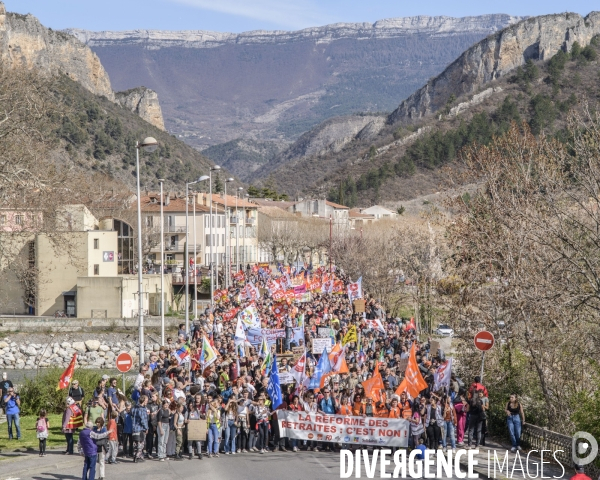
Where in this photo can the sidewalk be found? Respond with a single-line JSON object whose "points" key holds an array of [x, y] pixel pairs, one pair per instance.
{"points": [[20, 464]]}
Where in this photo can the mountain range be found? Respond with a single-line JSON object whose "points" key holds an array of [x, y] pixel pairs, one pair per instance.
{"points": [[272, 87]]}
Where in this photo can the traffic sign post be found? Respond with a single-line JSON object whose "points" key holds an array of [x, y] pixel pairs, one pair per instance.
{"points": [[124, 364], [484, 341]]}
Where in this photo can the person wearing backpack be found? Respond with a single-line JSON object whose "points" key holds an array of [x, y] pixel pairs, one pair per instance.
{"points": [[41, 427], [76, 392]]}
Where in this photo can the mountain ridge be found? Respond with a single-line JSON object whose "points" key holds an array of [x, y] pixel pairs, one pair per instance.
{"points": [[442, 25]]}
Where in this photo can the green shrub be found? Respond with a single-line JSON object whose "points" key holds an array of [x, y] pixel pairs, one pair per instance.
{"points": [[40, 391]]}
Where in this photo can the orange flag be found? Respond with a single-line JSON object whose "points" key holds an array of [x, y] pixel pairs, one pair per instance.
{"points": [[65, 378], [374, 384], [413, 381], [337, 358]]}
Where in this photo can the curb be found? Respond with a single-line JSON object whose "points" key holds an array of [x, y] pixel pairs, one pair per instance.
{"points": [[41, 468]]}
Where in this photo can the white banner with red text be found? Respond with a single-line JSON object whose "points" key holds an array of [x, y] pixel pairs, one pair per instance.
{"points": [[391, 432]]}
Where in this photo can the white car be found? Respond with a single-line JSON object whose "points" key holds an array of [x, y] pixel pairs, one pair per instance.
{"points": [[444, 330]]}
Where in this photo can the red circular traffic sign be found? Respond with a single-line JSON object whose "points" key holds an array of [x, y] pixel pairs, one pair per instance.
{"points": [[484, 340], [124, 362]]}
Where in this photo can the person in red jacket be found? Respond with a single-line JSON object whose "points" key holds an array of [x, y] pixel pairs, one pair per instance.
{"points": [[580, 473], [477, 385]]}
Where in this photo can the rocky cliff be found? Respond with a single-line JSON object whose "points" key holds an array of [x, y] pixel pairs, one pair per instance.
{"points": [[388, 28], [143, 102], [537, 38], [25, 41]]}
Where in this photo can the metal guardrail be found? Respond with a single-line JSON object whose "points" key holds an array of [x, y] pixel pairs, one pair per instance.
{"points": [[539, 438]]}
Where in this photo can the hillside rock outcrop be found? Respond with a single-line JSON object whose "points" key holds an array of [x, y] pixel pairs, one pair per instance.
{"points": [[537, 38], [143, 102], [25, 41]]}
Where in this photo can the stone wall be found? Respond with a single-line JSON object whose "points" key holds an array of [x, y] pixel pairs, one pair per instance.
{"points": [[90, 353]]}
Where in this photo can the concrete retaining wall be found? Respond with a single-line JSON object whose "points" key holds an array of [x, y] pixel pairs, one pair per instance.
{"points": [[51, 324]]}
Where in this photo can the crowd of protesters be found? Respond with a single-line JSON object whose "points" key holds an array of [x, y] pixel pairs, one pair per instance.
{"points": [[231, 394]]}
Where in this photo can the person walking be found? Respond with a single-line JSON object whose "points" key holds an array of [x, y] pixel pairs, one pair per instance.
{"points": [[475, 409], [515, 418], [12, 404]]}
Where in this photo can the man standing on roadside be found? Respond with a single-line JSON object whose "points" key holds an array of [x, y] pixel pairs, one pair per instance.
{"points": [[12, 404], [139, 417]]}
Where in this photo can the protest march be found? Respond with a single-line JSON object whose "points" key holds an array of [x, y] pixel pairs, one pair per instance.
{"points": [[286, 361]]}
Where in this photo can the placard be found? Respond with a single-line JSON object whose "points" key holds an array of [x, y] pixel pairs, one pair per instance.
{"points": [[285, 378], [359, 305], [434, 346], [320, 344], [401, 366], [197, 430], [324, 332]]}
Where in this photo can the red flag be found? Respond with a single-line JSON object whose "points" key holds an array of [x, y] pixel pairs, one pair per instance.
{"points": [[411, 325], [413, 381], [65, 378]]}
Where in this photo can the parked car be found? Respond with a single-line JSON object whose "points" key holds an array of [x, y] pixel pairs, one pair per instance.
{"points": [[444, 330]]}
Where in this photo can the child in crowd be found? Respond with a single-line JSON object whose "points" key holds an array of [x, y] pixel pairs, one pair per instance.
{"points": [[41, 426]]}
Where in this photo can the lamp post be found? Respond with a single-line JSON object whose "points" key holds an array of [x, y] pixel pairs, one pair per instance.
{"points": [[187, 252], [227, 262], [210, 236], [201, 179], [162, 265], [330, 240], [149, 145], [237, 229]]}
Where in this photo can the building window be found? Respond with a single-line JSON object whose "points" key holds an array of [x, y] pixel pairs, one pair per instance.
{"points": [[96, 243], [2, 219], [125, 247], [19, 219], [149, 221], [96, 269]]}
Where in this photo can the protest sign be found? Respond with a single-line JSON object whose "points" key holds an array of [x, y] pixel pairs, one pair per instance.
{"points": [[320, 344], [197, 430], [324, 332], [390, 432], [255, 335], [434, 346], [402, 364], [285, 378], [359, 306]]}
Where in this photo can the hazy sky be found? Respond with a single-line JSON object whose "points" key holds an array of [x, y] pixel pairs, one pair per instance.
{"points": [[243, 15]]}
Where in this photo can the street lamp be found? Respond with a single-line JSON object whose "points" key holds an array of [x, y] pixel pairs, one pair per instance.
{"points": [[227, 263], [187, 254], [237, 229], [162, 266], [149, 145], [210, 235], [201, 179]]}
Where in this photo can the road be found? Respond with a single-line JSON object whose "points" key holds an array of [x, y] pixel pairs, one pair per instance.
{"points": [[276, 466]]}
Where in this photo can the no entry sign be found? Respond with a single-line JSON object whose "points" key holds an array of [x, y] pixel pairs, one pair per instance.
{"points": [[484, 341], [124, 362]]}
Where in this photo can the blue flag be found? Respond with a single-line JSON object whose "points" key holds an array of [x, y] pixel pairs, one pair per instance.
{"points": [[323, 367], [274, 387]]}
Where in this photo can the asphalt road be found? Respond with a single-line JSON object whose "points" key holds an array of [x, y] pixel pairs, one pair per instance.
{"points": [[252, 466]]}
